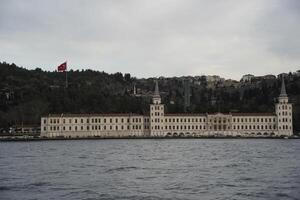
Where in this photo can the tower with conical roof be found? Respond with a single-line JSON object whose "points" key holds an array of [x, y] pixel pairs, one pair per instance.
{"points": [[156, 114], [284, 112], [156, 96]]}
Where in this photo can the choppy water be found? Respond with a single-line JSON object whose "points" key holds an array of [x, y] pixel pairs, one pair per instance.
{"points": [[151, 169]]}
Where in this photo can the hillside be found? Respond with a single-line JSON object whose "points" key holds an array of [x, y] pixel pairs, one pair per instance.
{"points": [[25, 95]]}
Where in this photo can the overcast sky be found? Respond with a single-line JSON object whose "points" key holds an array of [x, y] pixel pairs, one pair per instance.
{"points": [[153, 37]]}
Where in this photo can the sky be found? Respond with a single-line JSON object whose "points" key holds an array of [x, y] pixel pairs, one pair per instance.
{"points": [[148, 38]]}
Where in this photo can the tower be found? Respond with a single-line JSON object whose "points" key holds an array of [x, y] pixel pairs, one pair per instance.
{"points": [[156, 114], [284, 113]]}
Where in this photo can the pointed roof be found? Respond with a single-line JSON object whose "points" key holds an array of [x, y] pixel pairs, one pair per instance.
{"points": [[156, 91], [283, 91]]}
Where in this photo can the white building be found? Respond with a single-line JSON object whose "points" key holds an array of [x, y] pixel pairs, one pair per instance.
{"points": [[161, 124], [247, 78]]}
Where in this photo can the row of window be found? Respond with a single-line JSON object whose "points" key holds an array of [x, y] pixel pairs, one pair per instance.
{"points": [[181, 127], [285, 107], [219, 120], [157, 114], [185, 120], [252, 127], [220, 127], [285, 120], [254, 119], [285, 127], [97, 120], [157, 120], [156, 107], [76, 128], [285, 113]]}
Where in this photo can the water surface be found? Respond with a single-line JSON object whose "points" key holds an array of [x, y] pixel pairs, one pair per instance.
{"points": [[151, 169]]}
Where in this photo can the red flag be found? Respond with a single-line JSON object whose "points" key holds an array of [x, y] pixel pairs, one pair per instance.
{"points": [[62, 67]]}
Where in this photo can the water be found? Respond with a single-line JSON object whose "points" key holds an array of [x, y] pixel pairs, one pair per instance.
{"points": [[151, 169]]}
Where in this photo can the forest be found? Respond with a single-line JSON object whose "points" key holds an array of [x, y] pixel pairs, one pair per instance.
{"points": [[26, 95]]}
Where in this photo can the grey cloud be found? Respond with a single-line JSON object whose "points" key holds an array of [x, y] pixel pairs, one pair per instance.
{"points": [[153, 38]]}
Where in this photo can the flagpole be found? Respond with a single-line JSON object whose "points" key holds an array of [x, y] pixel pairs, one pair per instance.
{"points": [[66, 75], [66, 79]]}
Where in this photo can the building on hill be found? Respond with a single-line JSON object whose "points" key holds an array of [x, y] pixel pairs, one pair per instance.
{"points": [[161, 124], [247, 78]]}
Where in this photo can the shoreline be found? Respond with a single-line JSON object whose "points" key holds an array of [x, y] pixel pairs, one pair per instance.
{"points": [[20, 139]]}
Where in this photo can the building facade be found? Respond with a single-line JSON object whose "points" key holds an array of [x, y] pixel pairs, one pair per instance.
{"points": [[161, 124]]}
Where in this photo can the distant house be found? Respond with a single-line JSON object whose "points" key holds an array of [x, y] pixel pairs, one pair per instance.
{"points": [[269, 77], [26, 129], [247, 78], [282, 75]]}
